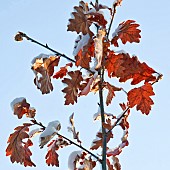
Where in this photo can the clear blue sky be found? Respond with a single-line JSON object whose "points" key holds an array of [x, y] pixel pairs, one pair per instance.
{"points": [[46, 21]]}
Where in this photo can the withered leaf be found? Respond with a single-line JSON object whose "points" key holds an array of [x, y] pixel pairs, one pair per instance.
{"points": [[141, 98], [111, 92], [127, 31], [17, 149], [52, 155], [22, 107], [80, 21], [73, 85], [45, 68]]}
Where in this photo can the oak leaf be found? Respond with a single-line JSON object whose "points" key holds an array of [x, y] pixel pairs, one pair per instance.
{"points": [[73, 86], [141, 98], [127, 31], [21, 107], [79, 22], [114, 64], [111, 92], [17, 149], [63, 71], [52, 155], [124, 67], [44, 66]]}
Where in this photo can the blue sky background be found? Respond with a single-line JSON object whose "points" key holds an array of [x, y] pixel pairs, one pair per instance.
{"points": [[47, 21]]}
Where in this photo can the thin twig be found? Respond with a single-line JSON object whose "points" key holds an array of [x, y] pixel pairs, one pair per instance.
{"points": [[118, 120], [111, 21], [71, 142], [54, 51]]}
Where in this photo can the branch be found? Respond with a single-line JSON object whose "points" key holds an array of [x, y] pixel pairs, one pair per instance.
{"points": [[118, 120], [54, 51], [111, 21], [71, 142]]}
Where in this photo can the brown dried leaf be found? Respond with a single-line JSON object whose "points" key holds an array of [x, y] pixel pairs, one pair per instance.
{"points": [[73, 85], [17, 149], [44, 67], [22, 107]]}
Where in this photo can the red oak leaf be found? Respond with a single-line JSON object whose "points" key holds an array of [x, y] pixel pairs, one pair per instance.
{"points": [[114, 64], [125, 67], [21, 107], [63, 71], [45, 67], [141, 98], [115, 165], [17, 149], [127, 31], [111, 92], [73, 85]]}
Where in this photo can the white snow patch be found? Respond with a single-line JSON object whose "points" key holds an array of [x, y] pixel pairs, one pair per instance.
{"points": [[81, 41], [71, 159]]}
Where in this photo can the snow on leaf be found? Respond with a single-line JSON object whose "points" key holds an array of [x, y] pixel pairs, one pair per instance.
{"points": [[34, 132], [17, 149], [111, 92], [84, 50], [21, 107], [141, 98], [97, 116], [127, 31], [79, 22], [98, 44], [72, 159], [50, 131], [63, 71], [73, 85], [43, 67], [73, 129]]}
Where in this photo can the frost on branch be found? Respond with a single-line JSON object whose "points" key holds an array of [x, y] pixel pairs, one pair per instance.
{"points": [[43, 68], [52, 155], [21, 107], [127, 31], [18, 147], [50, 131]]}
